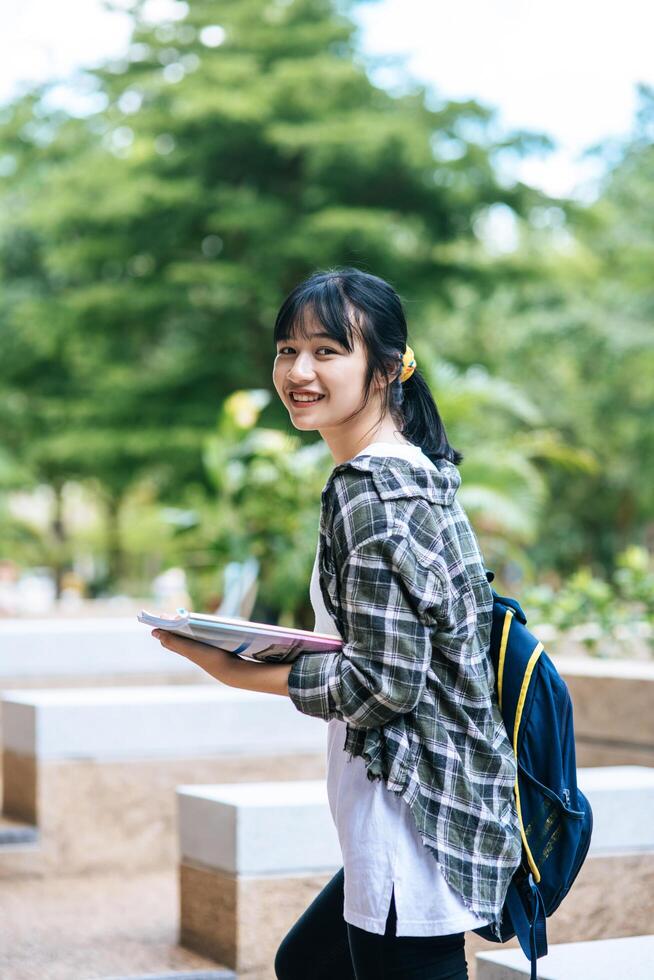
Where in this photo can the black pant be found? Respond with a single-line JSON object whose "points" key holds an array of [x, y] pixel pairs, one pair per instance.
{"points": [[323, 946]]}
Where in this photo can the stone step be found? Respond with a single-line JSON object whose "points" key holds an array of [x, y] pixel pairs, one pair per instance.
{"points": [[603, 959]]}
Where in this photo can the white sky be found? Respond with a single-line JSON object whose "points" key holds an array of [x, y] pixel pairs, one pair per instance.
{"points": [[566, 67]]}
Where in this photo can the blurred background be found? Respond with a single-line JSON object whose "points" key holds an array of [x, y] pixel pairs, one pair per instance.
{"points": [[169, 171]]}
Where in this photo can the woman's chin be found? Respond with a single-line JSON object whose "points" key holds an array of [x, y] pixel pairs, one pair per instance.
{"points": [[304, 423]]}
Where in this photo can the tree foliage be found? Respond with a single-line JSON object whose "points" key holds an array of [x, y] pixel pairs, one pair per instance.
{"points": [[145, 247]]}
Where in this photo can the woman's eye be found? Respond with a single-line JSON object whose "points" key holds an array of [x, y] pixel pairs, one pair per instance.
{"points": [[328, 349]]}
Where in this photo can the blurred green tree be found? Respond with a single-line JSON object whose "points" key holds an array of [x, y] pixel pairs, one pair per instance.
{"points": [[148, 243], [577, 340]]}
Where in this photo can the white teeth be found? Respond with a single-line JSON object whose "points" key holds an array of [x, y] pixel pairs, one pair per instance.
{"points": [[306, 398]]}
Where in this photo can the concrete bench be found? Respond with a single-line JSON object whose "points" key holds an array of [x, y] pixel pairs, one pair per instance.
{"points": [[604, 959], [115, 649], [77, 652], [613, 699], [253, 857], [96, 769], [613, 705], [87, 652]]}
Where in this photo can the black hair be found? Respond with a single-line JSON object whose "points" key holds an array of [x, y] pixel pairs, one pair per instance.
{"points": [[345, 300]]}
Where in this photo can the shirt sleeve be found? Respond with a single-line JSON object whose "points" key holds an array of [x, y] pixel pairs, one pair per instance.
{"points": [[389, 603]]}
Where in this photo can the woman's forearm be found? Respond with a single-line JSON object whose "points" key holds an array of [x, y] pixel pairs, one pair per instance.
{"points": [[225, 667], [268, 678]]}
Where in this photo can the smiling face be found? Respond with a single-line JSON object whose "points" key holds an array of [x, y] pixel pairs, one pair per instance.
{"points": [[339, 337], [321, 366]]}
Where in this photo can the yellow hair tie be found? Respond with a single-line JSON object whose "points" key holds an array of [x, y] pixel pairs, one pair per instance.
{"points": [[408, 364]]}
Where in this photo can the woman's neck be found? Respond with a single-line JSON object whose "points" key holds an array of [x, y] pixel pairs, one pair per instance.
{"points": [[345, 445]]}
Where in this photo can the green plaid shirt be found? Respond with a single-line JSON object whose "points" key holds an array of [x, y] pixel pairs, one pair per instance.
{"points": [[402, 576]]}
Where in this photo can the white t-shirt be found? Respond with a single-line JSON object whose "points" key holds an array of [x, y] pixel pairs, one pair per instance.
{"points": [[379, 841]]}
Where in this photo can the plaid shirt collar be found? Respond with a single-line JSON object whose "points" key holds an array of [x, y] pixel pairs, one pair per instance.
{"points": [[396, 476]]}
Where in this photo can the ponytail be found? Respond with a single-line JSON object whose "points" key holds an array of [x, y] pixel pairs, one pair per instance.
{"points": [[422, 423]]}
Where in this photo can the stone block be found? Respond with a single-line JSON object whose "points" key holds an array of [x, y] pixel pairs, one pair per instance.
{"points": [[242, 887], [252, 857], [87, 647], [96, 769], [613, 707], [606, 959]]}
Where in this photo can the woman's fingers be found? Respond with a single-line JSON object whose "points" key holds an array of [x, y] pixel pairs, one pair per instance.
{"points": [[176, 643], [179, 644]]}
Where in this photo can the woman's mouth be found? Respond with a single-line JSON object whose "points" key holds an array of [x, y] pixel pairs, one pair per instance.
{"points": [[302, 401]]}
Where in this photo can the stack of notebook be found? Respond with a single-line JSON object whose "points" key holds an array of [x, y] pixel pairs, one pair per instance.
{"points": [[251, 641]]}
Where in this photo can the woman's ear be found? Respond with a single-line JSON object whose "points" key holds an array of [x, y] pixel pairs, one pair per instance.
{"points": [[380, 381], [393, 367]]}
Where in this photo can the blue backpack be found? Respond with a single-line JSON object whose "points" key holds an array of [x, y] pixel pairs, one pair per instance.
{"points": [[556, 820]]}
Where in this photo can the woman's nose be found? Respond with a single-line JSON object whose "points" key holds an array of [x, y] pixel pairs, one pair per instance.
{"points": [[302, 368]]}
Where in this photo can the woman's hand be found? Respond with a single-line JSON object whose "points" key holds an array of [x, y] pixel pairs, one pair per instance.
{"points": [[218, 663], [183, 645]]}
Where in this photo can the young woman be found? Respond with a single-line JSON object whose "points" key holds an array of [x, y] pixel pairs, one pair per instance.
{"points": [[420, 771]]}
